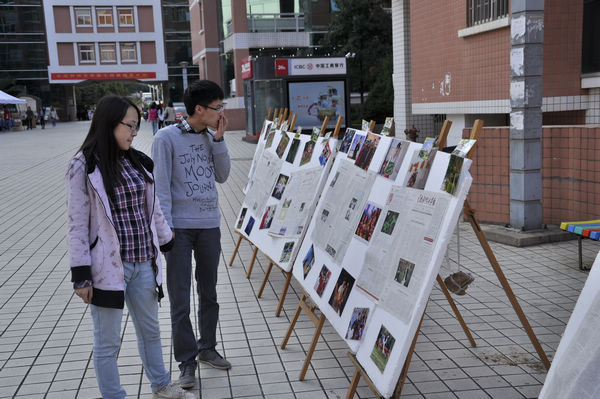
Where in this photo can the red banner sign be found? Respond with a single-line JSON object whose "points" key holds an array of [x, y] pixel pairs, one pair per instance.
{"points": [[281, 67], [246, 68], [102, 75]]}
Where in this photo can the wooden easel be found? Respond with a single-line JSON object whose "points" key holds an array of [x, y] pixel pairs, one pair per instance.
{"points": [[237, 247], [470, 215], [311, 310]]}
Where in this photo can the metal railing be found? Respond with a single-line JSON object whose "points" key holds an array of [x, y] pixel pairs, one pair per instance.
{"points": [[279, 22], [482, 11]]}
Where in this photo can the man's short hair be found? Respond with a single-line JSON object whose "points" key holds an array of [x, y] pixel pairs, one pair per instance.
{"points": [[201, 92]]}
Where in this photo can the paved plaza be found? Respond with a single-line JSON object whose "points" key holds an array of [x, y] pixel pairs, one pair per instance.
{"points": [[46, 331]]}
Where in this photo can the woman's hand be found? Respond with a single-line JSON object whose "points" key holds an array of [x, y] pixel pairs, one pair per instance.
{"points": [[85, 294]]}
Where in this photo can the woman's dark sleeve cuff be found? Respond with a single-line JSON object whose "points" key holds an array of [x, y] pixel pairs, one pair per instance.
{"points": [[167, 247], [81, 273]]}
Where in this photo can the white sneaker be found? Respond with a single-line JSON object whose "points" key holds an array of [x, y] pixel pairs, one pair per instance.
{"points": [[173, 391]]}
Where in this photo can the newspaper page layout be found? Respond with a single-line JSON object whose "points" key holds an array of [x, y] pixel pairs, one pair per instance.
{"points": [[396, 264], [293, 212], [263, 180], [337, 217]]}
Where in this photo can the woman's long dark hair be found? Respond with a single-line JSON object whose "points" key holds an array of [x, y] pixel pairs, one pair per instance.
{"points": [[101, 144]]}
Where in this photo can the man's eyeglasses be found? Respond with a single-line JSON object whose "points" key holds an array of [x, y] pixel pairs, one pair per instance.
{"points": [[132, 128], [218, 108]]}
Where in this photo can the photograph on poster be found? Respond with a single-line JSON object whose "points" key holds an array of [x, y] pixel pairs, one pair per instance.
{"points": [[365, 155], [307, 153], [450, 183], [325, 154], [322, 280], [293, 150], [463, 147], [382, 348], [308, 261], [280, 186], [241, 218], [355, 146], [282, 144], [393, 159], [287, 251], [249, 226], [419, 168], [347, 140], [357, 324], [368, 220], [404, 272], [267, 218], [271, 136], [389, 223], [341, 292]]}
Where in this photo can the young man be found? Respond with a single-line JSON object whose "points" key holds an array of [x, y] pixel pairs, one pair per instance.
{"points": [[189, 158]]}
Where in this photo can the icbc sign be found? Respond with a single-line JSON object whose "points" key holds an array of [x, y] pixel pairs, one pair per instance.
{"points": [[246, 68], [281, 67]]}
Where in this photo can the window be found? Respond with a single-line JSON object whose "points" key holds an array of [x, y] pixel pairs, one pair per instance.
{"points": [[201, 16], [108, 53], [105, 17], [482, 11], [87, 54], [125, 16], [128, 52], [83, 16]]}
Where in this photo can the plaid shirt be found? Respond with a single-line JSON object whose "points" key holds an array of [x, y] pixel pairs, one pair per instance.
{"points": [[128, 206]]}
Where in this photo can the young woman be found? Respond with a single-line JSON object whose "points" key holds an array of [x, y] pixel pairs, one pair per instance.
{"points": [[53, 116], [115, 230], [153, 117]]}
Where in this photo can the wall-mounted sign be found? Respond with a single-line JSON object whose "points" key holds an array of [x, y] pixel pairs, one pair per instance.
{"points": [[246, 68], [102, 75], [281, 67], [310, 66]]}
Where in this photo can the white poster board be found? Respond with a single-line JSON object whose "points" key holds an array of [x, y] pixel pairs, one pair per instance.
{"points": [[575, 370], [352, 270], [284, 185]]}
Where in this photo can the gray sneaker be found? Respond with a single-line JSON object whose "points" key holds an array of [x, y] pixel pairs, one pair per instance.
{"points": [[187, 378], [212, 358], [172, 391]]}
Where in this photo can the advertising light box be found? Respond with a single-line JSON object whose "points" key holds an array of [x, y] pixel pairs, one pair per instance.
{"points": [[313, 101]]}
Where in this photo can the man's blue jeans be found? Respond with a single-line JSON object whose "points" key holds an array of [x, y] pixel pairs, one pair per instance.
{"points": [[206, 246], [142, 303]]}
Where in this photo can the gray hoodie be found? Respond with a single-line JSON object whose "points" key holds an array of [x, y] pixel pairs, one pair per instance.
{"points": [[187, 165]]}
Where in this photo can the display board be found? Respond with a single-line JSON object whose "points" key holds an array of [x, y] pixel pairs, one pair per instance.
{"points": [[576, 365], [376, 242], [286, 177]]}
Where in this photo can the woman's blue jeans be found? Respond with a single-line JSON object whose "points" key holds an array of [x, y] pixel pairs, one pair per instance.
{"points": [[142, 303]]}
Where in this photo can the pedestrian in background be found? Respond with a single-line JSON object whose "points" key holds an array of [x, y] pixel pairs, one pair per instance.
{"points": [[53, 116], [161, 115], [115, 229], [42, 117], [169, 114], [29, 118], [153, 117]]}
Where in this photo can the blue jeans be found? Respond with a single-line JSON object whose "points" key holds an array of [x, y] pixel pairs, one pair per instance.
{"points": [[142, 303], [206, 246], [154, 126]]}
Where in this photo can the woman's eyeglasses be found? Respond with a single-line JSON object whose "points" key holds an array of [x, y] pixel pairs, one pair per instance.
{"points": [[132, 128]]}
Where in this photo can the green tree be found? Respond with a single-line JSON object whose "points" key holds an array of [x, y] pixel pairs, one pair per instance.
{"points": [[362, 29], [380, 102]]}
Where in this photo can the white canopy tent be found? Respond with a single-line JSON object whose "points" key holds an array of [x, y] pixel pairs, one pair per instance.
{"points": [[8, 99]]}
